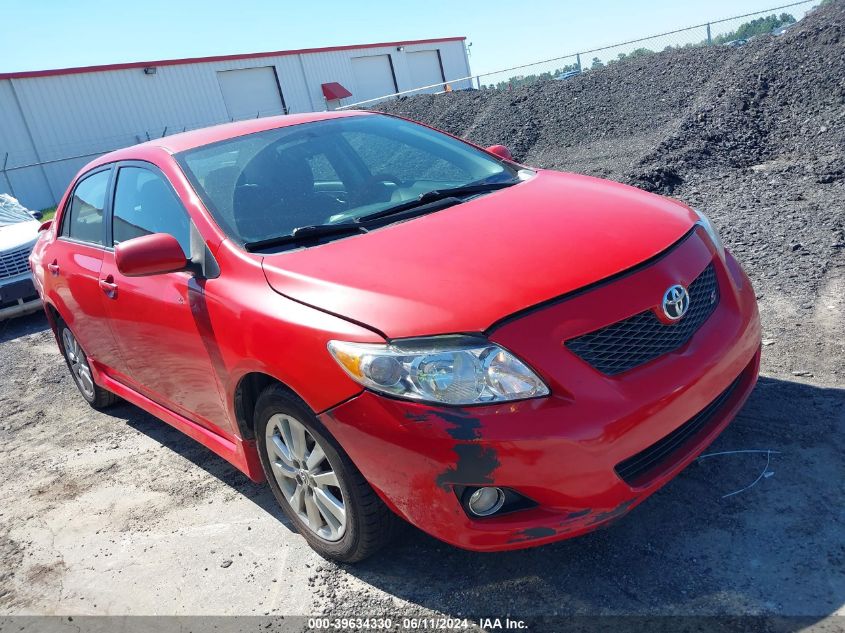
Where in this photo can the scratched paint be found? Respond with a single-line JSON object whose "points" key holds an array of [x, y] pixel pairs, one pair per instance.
{"points": [[615, 513], [464, 426], [475, 465], [576, 515], [570, 524]]}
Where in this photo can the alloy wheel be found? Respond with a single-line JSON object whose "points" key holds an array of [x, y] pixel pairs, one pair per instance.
{"points": [[307, 479], [78, 364]]}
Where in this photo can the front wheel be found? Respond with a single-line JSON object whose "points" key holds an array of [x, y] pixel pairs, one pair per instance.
{"points": [[80, 370], [315, 482]]}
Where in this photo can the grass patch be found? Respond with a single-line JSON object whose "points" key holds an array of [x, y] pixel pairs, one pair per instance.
{"points": [[48, 213]]}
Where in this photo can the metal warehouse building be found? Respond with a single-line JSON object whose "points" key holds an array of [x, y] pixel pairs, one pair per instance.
{"points": [[52, 122]]}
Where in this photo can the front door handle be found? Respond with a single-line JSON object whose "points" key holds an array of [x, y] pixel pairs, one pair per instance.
{"points": [[108, 286], [53, 267]]}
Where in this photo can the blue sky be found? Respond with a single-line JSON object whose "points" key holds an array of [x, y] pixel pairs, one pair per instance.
{"points": [[42, 34]]}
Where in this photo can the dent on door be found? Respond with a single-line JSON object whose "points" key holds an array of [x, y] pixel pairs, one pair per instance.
{"points": [[167, 343]]}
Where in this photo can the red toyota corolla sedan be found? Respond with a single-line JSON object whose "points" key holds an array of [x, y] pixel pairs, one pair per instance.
{"points": [[382, 320]]}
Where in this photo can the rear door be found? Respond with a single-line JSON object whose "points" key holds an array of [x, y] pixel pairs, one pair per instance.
{"points": [[73, 263], [160, 322]]}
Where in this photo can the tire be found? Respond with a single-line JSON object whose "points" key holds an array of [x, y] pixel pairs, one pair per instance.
{"points": [[368, 522], [80, 371]]}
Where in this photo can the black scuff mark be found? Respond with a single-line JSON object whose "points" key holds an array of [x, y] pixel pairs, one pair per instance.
{"points": [[576, 515], [613, 514], [463, 425], [538, 532], [475, 461], [531, 534], [535, 533], [565, 526], [474, 466]]}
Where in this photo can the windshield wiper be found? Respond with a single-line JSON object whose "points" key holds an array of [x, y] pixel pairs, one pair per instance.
{"points": [[434, 196], [307, 234], [427, 202]]}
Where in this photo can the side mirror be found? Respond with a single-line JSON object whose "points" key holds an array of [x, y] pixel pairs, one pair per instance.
{"points": [[45, 225], [149, 255], [501, 151], [37, 215]]}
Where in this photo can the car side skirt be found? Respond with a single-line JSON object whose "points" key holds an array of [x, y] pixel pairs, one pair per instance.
{"points": [[242, 454]]}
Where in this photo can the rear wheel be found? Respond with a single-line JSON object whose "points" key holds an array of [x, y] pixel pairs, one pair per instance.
{"points": [[315, 482], [77, 362]]}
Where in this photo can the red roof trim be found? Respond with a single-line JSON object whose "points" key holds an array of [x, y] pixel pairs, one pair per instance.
{"points": [[216, 58]]}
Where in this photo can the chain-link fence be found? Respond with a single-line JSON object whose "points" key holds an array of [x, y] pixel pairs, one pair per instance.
{"points": [[733, 31], [62, 163]]}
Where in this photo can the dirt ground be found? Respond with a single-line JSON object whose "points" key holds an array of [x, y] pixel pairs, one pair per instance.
{"points": [[117, 513]]}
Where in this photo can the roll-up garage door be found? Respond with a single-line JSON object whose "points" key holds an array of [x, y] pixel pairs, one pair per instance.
{"points": [[373, 77], [251, 92], [425, 69]]}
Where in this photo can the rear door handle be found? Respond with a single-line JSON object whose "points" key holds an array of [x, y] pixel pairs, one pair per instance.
{"points": [[108, 286], [53, 267]]}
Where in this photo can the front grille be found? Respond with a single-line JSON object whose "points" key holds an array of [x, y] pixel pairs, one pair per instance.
{"points": [[15, 262], [643, 337], [641, 468]]}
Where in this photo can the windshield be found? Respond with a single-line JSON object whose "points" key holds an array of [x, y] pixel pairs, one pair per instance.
{"points": [[12, 212], [264, 185]]}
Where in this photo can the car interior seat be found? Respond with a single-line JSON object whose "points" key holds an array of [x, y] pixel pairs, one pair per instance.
{"points": [[275, 194]]}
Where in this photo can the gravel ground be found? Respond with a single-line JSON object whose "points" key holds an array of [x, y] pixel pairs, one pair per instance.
{"points": [[117, 513]]}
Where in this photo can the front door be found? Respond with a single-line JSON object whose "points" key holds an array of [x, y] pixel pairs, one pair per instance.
{"points": [[159, 321]]}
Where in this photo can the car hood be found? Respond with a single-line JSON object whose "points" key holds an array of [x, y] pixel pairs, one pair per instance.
{"points": [[18, 234], [465, 267]]}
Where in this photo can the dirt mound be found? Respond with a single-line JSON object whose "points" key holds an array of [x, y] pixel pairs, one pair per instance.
{"points": [[778, 99], [651, 120], [601, 121]]}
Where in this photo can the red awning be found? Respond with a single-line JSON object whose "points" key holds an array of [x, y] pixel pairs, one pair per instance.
{"points": [[334, 90]]}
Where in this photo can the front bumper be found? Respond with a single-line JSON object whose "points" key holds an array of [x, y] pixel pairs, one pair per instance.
{"points": [[18, 296], [562, 451]]}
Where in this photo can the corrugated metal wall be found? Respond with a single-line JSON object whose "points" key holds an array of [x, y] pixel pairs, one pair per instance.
{"points": [[50, 126]]}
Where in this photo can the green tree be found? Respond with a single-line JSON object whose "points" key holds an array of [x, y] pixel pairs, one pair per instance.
{"points": [[640, 52], [564, 69], [757, 26]]}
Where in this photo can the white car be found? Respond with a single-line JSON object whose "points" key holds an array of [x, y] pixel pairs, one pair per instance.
{"points": [[18, 232]]}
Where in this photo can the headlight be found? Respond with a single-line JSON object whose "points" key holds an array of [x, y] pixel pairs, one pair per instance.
{"points": [[705, 223], [442, 369]]}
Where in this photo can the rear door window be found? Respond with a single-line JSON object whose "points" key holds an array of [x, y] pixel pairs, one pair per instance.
{"points": [[84, 221], [145, 203]]}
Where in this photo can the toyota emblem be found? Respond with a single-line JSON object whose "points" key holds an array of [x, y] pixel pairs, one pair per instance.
{"points": [[675, 302]]}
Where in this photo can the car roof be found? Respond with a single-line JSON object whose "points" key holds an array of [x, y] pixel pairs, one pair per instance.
{"points": [[183, 141]]}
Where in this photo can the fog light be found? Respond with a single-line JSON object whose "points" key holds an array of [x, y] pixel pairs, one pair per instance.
{"points": [[486, 501]]}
